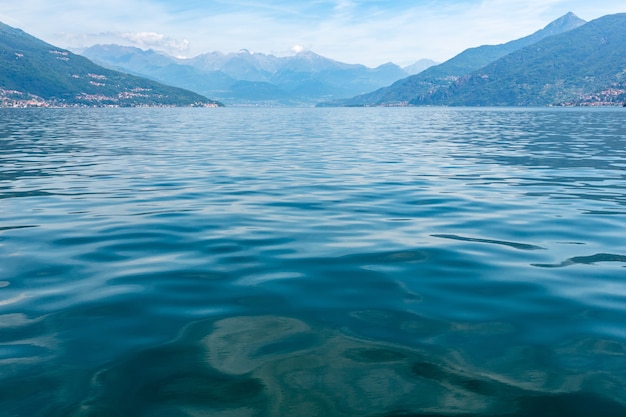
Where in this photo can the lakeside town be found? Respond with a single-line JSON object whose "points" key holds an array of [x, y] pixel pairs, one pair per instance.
{"points": [[18, 99]]}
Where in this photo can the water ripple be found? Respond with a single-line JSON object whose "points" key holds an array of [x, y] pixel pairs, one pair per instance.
{"points": [[521, 246], [378, 262], [586, 260]]}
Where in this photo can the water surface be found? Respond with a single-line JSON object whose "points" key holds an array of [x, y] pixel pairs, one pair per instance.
{"points": [[312, 262]]}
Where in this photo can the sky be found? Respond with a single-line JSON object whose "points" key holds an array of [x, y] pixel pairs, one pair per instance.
{"points": [[369, 32]]}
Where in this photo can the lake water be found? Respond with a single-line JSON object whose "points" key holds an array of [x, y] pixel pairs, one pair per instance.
{"points": [[313, 262]]}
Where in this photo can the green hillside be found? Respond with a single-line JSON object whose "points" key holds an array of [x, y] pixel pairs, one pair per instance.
{"points": [[39, 73], [445, 74], [584, 66]]}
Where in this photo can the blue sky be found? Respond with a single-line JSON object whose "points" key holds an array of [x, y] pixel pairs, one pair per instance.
{"points": [[370, 32]]}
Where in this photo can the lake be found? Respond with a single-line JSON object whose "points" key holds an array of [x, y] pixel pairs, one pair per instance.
{"points": [[313, 262]]}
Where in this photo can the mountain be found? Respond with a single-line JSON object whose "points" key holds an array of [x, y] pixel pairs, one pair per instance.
{"points": [[241, 66], [443, 75], [159, 67], [586, 65], [476, 58], [35, 73], [252, 78], [419, 66]]}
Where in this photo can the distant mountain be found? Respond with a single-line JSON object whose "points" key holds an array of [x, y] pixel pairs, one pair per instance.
{"points": [[35, 73], [240, 66], [476, 58], [252, 78], [586, 65], [443, 75], [419, 66], [159, 67]]}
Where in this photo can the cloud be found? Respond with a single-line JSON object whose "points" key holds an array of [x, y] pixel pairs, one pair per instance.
{"points": [[158, 41], [142, 40], [369, 32]]}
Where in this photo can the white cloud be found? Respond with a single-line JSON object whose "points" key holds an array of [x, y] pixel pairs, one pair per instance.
{"points": [[370, 32], [158, 41]]}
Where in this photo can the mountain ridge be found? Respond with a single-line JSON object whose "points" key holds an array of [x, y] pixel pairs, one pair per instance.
{"points": [[303, 78], [584, 66], [443, 75], [36, 73]]}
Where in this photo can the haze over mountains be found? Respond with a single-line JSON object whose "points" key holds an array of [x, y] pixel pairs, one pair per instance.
{"points": [[255, 78], [35, 73]]}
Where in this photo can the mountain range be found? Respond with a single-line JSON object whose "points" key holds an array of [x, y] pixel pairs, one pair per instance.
{"points": [[586, 65], [35, 73], [445, 74], [255, 78], [569, 62]]}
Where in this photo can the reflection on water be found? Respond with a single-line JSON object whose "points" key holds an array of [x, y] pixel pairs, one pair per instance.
{"points": [[598, 257], [312, 262], [515, 245]]}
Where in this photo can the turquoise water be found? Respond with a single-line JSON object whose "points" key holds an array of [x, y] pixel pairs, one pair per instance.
{"points": [[313, 262]]}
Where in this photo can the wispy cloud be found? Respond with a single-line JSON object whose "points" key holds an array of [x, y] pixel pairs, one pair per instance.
{"points": [[155, 40], [143, 40], [364, 31]]}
